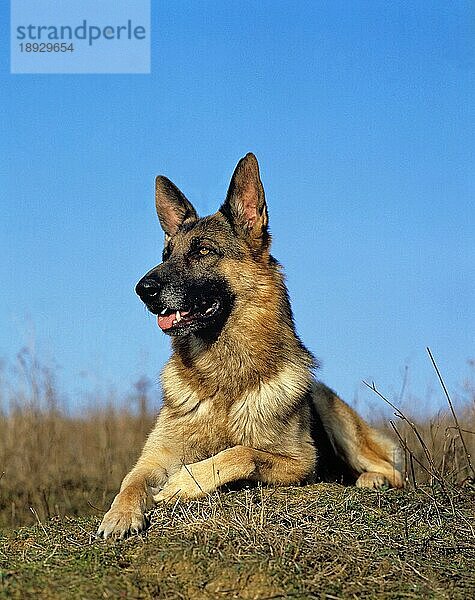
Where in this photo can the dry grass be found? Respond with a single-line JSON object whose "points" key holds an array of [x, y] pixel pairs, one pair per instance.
{"points": [[53, 464]]}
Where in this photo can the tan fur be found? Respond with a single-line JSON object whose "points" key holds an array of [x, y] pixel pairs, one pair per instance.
{"points": [[245, 406]]}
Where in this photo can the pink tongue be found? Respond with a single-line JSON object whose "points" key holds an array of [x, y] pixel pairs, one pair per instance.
{"points": [[166, 321]]}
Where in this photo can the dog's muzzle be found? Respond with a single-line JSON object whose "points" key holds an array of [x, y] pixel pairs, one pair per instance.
{"points": [[184, 307]]}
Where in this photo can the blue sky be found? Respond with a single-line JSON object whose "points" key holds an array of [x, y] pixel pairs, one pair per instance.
{"points": [[362, 117]]}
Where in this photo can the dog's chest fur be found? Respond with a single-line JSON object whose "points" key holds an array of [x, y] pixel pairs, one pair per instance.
{"points": [[208, 419]]}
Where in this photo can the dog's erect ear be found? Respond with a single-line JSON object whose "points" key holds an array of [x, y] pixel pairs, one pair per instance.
{"points": [[245, 204], [173, 209]]}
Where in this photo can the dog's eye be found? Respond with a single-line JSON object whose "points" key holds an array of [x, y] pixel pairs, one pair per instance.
{"points": [[204, 250]]}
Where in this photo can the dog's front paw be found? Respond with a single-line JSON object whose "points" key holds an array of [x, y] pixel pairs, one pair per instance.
{"points": [[121, 521], [182, 485]]}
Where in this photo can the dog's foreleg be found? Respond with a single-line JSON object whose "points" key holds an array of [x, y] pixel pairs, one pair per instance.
{"points": [[126, 514], [235, 464]]}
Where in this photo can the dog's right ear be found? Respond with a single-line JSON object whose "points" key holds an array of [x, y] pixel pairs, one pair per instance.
{"points": [[173, 209], [245, 205]]}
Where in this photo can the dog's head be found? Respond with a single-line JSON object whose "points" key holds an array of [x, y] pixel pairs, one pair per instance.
{"points": [[209, 264]]}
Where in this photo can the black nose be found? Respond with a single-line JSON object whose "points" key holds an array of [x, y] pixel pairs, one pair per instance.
{"points": [[148, 289]]}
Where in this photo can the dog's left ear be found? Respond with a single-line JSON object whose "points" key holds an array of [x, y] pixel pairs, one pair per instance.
{"points": [[245, 204]]}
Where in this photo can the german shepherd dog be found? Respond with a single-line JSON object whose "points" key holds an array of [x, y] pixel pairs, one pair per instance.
{"points": [[240, 402]]}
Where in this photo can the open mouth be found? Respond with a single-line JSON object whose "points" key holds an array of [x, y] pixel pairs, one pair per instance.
{"points": [[172, 319]]}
